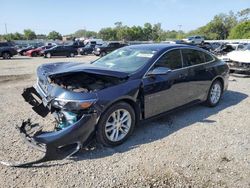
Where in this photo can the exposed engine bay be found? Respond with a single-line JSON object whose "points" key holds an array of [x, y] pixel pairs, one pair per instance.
{"points": [[84, 82]]}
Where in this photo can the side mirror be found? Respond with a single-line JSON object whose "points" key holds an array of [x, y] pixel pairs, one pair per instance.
{"points": [[159, 71]]}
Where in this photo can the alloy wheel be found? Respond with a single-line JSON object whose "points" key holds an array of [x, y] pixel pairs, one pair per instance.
{"points": [[118, 125], [215, 93]]}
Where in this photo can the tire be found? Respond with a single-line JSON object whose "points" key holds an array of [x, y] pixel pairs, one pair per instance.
{"points": [[103, 54], [48, 55], [34, 54], [71, 54], [214, 94], [110, 130], [6, 55]]}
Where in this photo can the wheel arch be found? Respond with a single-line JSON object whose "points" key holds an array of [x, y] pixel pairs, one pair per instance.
{"points": [[219, 78], [129, 100]]}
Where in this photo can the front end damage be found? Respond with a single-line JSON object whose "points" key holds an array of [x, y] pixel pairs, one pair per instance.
{"points": [[71, 98], [72, 128]]}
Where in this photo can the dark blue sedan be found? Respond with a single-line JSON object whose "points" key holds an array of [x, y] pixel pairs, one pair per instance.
{"points": [[108, 97]]}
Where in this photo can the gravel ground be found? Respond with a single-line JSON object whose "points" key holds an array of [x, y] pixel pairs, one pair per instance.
{"points": [[195, 147]]}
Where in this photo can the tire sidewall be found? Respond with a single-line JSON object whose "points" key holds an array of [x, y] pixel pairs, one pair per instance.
{"points": [[48, 55], [6, 55], [103, 54], [210, 103], [100, 133]]}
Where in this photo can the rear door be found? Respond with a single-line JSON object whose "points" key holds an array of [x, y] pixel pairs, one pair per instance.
{"points": [[57, 51], [165, 92], [200, 72]]}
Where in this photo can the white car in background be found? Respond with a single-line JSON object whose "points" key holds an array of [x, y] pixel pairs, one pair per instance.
{"points": [[194, 39], [239, 60]]}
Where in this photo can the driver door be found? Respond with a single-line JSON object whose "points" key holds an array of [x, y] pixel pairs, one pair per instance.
{"points": [[166, 91]]}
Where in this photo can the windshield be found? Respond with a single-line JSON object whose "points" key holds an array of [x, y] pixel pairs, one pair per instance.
{"points": [[125, 59]]}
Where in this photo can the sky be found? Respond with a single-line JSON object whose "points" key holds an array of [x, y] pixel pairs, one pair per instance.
{"points": [[68, 16]]}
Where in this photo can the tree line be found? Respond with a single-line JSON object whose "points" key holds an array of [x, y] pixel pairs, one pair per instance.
{"points": [[222, 26]]}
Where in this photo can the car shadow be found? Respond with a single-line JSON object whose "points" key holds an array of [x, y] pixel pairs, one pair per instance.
{"points": [[162, 127]]}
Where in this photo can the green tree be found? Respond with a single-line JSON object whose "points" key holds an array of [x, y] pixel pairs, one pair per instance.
{"points": [[157, 32], [244, 14], [218, 28], [108, 33], [85, 33], [13, 36], [41, 36], [53, 35], [241, 31], [147, 31], [29, 34]]}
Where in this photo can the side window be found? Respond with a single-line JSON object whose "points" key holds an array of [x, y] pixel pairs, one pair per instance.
{"points": [[171, 60], [111, 45], [208, 57], [192, 57]]}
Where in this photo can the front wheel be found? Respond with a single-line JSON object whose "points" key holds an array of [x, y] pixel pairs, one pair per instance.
{"points": [[103, 54], [6, 55], [34, 54], [71, 55], [116, 124], [48, 55], [214, 94]]}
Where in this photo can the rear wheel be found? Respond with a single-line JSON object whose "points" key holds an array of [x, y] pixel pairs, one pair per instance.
{"points": [[214, 94], [48, 55], [72, 55], [6, 55], [34, 54], [116, 124], [103, 54]]}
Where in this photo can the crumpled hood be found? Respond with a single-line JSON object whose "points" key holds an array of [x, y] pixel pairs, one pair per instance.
{"points": [[53, 69], [240, 56]]}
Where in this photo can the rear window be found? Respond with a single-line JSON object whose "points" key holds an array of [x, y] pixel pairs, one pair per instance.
{"points": [[192, 57]]}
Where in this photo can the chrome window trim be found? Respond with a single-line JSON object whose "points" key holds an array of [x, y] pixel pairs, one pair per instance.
{"points": [[180, 48]]}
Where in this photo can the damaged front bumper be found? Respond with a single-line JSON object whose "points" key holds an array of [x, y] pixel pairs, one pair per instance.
{"points": [[239, 66], [58, 144]]}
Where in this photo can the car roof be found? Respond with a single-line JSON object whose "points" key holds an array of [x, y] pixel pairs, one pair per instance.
{"points": [[159, 47]]}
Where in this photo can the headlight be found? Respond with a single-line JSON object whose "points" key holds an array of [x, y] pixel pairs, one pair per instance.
{"points": [[72, 104], [98, 49]]}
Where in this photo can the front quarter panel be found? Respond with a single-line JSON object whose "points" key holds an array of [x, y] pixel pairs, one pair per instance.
{"points": [[128, 90]]}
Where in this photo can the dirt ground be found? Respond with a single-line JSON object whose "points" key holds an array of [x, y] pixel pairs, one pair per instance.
{"points": [[195, 147]]}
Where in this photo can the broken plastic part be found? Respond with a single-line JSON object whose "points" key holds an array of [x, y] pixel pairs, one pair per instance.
{"points": [[31, 96]]}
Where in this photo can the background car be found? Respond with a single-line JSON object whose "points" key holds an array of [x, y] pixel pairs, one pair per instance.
{"points": [[107, 48], [7, 50], [67, 51], [239, 60], [88, 49], [37, 51], [22, 51], [195, 39]]}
